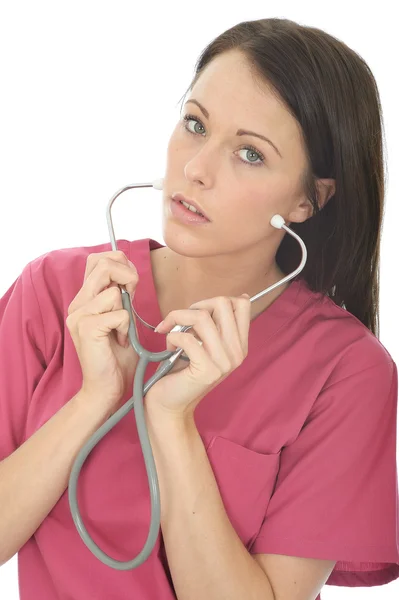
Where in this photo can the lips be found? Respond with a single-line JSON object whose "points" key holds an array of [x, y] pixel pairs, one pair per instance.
{"points": [[178, 197]]}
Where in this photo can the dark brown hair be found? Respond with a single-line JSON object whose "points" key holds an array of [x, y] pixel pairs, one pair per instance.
{"points": [[331, 92]]}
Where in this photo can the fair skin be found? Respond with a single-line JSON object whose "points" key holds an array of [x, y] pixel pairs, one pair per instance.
{"points": [[235, 253]]}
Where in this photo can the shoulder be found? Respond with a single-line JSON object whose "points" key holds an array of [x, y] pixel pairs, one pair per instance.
{"points": [[346, 344], [355, 338], [64, 266], [57, 276]]}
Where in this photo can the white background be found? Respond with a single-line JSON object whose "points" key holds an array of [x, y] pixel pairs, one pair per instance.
{"points": [[89, 97]]}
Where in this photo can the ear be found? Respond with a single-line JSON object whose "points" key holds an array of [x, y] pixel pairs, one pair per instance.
{"points": [[325, 189]]}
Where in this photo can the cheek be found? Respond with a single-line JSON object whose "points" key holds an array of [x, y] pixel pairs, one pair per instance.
{"points": [[179, 138], [246, 212], [250, 210], [171, 147], [254, 204], [174, 143], [275, 197]]}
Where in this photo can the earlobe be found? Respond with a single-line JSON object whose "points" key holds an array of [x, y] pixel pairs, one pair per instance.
{"points": [[301, 213]]}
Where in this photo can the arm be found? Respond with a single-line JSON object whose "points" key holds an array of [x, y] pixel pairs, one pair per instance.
{"points": [[207, 559], [34, 477]]}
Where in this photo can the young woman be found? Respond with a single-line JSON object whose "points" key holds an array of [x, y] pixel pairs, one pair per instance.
{"points": [[275, 445]]}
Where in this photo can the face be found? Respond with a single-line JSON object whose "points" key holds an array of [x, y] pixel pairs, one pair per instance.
{"points": [[238, 187]]}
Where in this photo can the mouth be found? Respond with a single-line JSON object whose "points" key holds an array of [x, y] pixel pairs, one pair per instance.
{"points": [[185, 215], [189, 204]]}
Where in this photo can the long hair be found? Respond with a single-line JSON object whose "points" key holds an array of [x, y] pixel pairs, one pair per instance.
{"points": [[331, 92]]}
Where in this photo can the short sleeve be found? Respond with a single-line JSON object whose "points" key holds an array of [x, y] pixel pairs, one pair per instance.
{"points": [[22, 358], [336, 493]]}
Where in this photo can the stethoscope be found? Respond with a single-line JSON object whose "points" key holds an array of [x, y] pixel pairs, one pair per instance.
{"points": [[136, 401]]}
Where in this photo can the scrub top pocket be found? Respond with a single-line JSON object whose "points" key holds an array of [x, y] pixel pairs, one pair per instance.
{"points": [[246, 481]]}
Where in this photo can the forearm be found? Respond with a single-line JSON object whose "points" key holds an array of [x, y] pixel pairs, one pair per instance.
{"points": [[207, 559], [34, 477]]}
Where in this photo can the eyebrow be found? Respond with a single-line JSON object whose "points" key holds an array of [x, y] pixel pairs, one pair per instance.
{"points": [[239, 131]]}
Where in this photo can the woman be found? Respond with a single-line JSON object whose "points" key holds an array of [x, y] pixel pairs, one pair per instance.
{"points": [[275, 447]]}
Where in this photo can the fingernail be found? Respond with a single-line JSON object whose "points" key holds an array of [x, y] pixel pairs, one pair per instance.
{"points": [[158, 327], [246, 295]]}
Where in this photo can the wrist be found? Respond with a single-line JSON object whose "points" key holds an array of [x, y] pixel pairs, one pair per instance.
{"points": [[162, 420], [86, 402]]}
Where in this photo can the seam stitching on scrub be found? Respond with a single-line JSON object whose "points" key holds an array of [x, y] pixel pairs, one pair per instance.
{"points": [[389, 361], [40, 312], [285, 324]]}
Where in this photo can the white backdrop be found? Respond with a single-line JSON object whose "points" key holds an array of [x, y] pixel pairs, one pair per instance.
{"points": [[89, 97]]}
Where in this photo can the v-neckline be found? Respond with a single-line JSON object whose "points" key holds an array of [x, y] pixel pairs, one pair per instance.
{"points": [[283, 309]]}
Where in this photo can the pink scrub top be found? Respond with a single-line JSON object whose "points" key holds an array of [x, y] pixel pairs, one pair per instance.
{"points": [[301, 438]]}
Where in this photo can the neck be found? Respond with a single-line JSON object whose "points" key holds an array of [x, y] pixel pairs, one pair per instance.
{"points": [[181, 281]]}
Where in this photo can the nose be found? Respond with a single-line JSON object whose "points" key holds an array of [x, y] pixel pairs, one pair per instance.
{"points": [[203, 164]]}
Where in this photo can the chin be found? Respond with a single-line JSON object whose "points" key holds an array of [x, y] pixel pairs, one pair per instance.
{"points": [[181, 242]]}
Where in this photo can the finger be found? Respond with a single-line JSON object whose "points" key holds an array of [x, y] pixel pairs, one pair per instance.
{"points": [[117, 256], [232, 316], [201, 369], [107, 271], [204, 326], [242, 313], [92, 260]]}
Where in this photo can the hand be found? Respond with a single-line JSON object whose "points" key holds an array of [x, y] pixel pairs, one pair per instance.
{"points": [[99, 325], [222, 324]]}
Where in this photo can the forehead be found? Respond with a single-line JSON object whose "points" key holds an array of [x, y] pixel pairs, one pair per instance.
{"points": [[233, 94]]}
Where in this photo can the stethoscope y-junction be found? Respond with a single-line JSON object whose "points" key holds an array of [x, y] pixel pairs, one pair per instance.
{"points": [[140, 389]]}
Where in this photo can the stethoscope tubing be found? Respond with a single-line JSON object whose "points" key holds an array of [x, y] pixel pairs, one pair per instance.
{"points": [[167, 359]]}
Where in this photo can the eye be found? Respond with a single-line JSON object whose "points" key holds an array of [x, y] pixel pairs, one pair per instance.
{"points": [[249, 148]]}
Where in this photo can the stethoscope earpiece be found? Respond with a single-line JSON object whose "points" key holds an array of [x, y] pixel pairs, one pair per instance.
{"points": [[157, 184], [277, 221]]}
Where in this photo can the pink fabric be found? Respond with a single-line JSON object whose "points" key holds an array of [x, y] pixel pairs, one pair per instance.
{"points": [[301, 438]]}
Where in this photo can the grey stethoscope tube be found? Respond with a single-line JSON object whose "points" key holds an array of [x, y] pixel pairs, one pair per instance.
{"points": [[136, 401]]}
